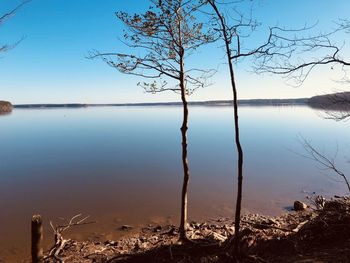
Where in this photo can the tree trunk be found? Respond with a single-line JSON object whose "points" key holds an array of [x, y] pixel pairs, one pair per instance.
{"points": [[239, 160], [186, 172], [186, 175], [236, 251], [240, 165]]}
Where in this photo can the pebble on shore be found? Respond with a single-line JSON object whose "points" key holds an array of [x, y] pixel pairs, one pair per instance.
{"points": [[299, 206]]}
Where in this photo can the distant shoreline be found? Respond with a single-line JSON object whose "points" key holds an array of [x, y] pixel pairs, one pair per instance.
{"points": [[250, 102]]}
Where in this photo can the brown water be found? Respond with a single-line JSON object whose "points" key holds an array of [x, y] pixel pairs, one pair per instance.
{"points": [[122, 165]]}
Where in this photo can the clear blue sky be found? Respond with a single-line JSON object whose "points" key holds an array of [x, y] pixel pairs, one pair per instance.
{"points": [[49, 66]]}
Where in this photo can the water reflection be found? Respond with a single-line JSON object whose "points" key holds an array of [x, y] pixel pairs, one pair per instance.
{"points": [[5, 113], [121, 165]]}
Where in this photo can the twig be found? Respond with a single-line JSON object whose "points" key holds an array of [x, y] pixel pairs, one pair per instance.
{"points": [[296, 230], [326, 162]]}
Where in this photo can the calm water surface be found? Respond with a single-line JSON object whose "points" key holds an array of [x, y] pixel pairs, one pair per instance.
{"points": [[122, 165]]}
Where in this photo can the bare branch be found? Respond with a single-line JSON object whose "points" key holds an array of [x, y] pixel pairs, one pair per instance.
{"points": [[60, 242], [327, 163], [3, 18], [294, 55], [162, 35], [11, 13]]}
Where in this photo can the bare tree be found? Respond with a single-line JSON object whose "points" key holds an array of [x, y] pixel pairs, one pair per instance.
{"points": [[233, 30], [165, 36], [226, 35], [3, 18]]}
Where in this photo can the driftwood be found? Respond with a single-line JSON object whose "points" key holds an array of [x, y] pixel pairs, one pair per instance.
{"points": [[262, 225], [60, 242]]}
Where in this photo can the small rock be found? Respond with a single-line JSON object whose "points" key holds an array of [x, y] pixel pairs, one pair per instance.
{"points": [[230, 229], [195, 225], [299, 206], [153, 239], [143, 239], [126, 227], [139, 245], [203, 225], [173, 231], [269, 221], [109, 243], [157, 229], [217, 236]]}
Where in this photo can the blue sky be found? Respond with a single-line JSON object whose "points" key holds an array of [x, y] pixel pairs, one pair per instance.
{"points": [[49, 65]]}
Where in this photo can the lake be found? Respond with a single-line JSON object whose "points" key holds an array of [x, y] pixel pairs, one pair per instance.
{"points": [[122, 165]]}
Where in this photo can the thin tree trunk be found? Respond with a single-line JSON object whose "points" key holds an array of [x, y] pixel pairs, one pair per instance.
{"points": [[186, 172], [237, 137], [239, 151], [184, 127], [239, 163]]}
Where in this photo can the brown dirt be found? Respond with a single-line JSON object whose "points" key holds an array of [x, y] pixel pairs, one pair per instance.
{"points": [[321, 235]]}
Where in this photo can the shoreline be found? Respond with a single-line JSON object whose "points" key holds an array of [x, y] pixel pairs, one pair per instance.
{"points": [[325, 102], [290, 237], [250, 102]]}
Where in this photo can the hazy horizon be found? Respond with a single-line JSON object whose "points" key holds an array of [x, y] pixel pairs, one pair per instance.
{"points": [[153, 102]]}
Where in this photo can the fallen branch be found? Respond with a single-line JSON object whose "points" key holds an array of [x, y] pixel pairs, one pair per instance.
{"points": [[254, 224], [60, 242], [295, 230]]}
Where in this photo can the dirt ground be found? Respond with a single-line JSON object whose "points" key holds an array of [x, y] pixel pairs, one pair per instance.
{"points": [[321, 233]]}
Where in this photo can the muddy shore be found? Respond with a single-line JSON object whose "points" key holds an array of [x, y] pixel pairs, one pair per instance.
{"points": [[319, 233]]}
